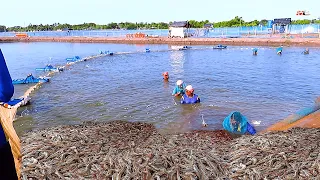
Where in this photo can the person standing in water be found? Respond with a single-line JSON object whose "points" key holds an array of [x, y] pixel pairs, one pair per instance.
{"points": [[255, 51], [189, 97], [179, 89], [279, 50], [165, 79], [306, 51], [165, 76]]}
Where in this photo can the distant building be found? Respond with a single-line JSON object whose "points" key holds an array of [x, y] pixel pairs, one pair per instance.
{"points": [[208, 26], [179, 29], [281, 25]]}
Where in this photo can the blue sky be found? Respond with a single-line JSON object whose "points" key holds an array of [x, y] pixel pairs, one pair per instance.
{"points": [[22, 13]]}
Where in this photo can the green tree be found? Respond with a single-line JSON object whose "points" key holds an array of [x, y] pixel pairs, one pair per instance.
{"points": [[235, 22], [3, 28], [305, 21], [264, 22]]}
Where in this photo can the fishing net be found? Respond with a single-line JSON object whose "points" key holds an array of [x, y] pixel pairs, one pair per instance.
{"points": [[7, 117], [124, 150]]}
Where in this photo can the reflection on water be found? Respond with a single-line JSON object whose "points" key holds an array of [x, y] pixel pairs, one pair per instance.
{"points": [[177, 60], [166, 84], [130, 87]]}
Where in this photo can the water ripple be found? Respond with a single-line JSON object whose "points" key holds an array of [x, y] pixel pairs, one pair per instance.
{"points": [[265, 88]]}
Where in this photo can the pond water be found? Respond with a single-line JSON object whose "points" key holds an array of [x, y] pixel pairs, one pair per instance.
{"points": [[129, 86]]}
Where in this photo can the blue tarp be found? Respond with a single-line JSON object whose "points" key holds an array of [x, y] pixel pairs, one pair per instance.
{"points": [[14, 102], [29, 79], [302, 113], [240, 125], [75, 58], [6, 86], [49, 68], [6, 90]]}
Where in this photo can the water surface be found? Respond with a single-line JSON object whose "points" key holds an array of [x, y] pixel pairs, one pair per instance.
{"points": [[129, 87]]}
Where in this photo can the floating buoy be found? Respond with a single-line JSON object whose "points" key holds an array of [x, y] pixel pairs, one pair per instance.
{"points": [[109, 53], [75, 58]]}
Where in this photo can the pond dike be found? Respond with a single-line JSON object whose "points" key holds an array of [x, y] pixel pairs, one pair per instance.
{"points": [[174, 41]]}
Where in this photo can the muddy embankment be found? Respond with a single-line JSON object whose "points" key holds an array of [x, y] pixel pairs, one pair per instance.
{"points": [[175, 41]]}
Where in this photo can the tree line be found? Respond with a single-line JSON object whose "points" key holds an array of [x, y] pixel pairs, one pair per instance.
{"points": [[235, 22]]}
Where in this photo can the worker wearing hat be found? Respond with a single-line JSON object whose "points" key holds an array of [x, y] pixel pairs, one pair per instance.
{"points": [[179, 89], [189, 97]]}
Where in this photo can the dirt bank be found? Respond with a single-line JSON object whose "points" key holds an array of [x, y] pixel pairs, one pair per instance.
{"points": [[174, 41]]}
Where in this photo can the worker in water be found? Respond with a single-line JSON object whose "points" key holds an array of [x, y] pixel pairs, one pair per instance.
{"points": [[179, 89], [306, 51], [236, 123], [165, 76], [255, 51], [279, 50], [189, 97]]}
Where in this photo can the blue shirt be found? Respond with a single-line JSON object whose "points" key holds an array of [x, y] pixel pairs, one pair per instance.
{"points": [[179, 89], [187, 100]]}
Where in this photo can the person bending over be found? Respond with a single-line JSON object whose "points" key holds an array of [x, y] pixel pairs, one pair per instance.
{"points": [[179, 89], [236, 123]]}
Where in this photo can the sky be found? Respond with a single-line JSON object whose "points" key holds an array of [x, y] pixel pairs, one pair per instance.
{"points": [[23, 13]]}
